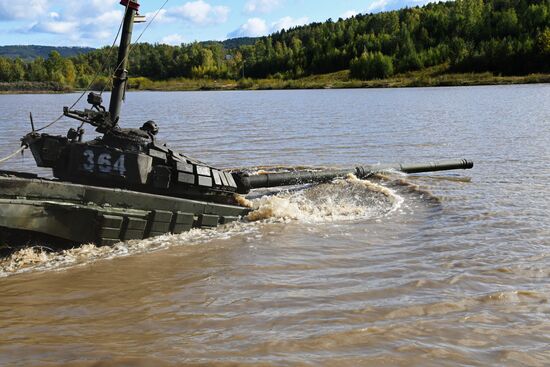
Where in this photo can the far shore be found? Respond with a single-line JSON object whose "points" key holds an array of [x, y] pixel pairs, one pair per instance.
{"points": [[338, 80]]}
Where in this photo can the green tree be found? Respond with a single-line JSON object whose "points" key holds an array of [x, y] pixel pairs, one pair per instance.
{"points": [[371, 66], [55, 66], [407, 57], [543, 42], [37, 70], [536, 16], [69, 72], [506, 22], [5, 70], [18, 70]]}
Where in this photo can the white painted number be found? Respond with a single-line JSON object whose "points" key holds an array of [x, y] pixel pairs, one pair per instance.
{"points": [[104, 163], [89, 163], [119, 165]]}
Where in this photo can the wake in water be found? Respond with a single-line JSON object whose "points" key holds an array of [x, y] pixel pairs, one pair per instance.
{"points": [[38, 259], [342, 200], [348, 199]]}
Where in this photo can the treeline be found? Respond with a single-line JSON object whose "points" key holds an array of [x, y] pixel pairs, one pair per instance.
{"points": [[510, 37], [30, 52], [501, 36], [55, 69]]}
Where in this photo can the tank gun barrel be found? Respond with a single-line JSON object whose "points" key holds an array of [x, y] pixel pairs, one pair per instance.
{"points": [[246, 182], [424, 167]]}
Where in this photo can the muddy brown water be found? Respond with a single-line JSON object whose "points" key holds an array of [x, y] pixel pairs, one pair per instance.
{"points": [[443, 269]]}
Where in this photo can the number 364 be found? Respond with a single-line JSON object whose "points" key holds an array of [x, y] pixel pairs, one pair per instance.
{"points": [[103, 162]]}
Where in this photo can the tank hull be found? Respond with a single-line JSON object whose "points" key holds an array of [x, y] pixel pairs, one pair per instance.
{"points": [[79, 214]]}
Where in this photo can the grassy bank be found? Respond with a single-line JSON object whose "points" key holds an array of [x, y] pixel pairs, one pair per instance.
{"points": [[33, 87], [431, 77]]}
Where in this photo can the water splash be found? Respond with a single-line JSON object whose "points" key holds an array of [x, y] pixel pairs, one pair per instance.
{"points": [[348, 199], [39, 259], [342, 200]]}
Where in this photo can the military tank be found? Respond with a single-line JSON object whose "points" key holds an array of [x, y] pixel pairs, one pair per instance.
{"points": [[127, 185]]}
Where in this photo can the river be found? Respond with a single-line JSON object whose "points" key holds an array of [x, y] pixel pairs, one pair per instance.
{"points": [[441, 269]]}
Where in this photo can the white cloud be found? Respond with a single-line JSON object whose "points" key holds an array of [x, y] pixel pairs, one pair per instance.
{"points": [[162, 16], [29, 9], [97, 35], [78, 26], [202, 13], [112, 17], [100, 4], [173, 39], [387, 5], [288, 22], [86, 8], [378, 5], [261, 6], [257, 27], [349, 14], [55, 27], [254, 27]]}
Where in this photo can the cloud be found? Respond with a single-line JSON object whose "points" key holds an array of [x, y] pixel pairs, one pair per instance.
{"points": [[173, 39], [254, 27], [288, 22], [387, 5], [95, 21], [79, 28], [112, 17], [95, 35], [377, 6], [257, 27], [86, 8], [162, 16], [20, 10], [55, 27], [202, 13], [261, 6], [81, 25], [349, 14]]}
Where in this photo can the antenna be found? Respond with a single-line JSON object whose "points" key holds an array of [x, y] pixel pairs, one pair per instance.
{"points": [[32, 122]]}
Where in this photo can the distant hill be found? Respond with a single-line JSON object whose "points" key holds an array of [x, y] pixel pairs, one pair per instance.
{"points": [[234, 43], [33, 51]]}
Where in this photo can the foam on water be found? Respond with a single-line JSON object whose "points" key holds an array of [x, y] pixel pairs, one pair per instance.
{"points": [[37, 259], [342, 200], [348, 199]]}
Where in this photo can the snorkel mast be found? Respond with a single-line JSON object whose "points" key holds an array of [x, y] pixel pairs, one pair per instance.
{"points": [[120, 76]]}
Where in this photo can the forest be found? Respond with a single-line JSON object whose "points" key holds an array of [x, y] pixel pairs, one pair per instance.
{"points": [[507, 37], [30, 52]]}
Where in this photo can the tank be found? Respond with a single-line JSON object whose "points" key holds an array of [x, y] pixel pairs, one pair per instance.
{"points": [[126, 184]]}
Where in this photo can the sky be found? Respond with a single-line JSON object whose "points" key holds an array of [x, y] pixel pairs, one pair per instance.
{"points": [[94, 23]]}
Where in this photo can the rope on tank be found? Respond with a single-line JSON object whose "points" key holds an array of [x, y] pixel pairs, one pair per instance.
{"points": [[10, 156]]}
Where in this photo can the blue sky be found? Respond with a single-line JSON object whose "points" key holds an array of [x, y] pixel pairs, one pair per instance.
{"points": [[94, 22]]}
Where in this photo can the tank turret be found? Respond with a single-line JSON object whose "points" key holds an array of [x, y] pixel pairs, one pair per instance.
{"points": [[128, 158]]}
